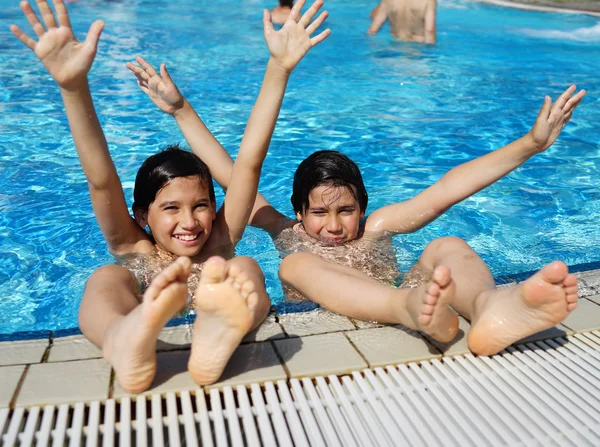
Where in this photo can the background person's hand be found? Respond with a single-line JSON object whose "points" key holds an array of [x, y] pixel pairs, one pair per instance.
{"points": [[552, 118], [67, 60], [160, 88], [289, 45]]}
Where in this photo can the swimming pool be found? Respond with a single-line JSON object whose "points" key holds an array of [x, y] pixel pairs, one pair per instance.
{"points": [[406, 113]]}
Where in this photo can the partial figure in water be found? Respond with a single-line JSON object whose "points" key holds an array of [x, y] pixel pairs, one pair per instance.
{"points": [[174, 197], [281, 12], [342, 260], [410, 20]]}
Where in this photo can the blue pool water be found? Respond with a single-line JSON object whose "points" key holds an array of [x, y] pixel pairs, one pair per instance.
{"points": [[406, 113]]}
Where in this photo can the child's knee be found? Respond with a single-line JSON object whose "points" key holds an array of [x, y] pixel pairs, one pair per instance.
{"points": [[292, 263], [446, 243]]}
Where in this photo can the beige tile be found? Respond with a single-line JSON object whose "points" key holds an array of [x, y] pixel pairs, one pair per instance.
{"points": [[9, 377], [318, 355], [175, 338], [52, 383], [171, 375], [254, 362], [459, 344], [76, 347], [268, 330], [585, 318], [594, 298], [391, 345], [315, 322], [22, 352], [554, 332]]}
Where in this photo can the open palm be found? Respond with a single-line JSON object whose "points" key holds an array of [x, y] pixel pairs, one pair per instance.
{"points": [[552, 118], [67, 60], [160, 88], [289, 45]]}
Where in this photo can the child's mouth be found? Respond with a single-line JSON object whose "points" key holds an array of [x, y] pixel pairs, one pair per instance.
{"points": [[187, 238]]}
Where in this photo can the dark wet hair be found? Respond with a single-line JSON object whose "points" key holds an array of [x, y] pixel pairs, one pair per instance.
{"points": [[327, 168], [159, 169], [288, 3]]}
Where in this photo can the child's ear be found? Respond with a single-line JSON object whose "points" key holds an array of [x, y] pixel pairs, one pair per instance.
{"points": [[299, 217], [141, 217]]}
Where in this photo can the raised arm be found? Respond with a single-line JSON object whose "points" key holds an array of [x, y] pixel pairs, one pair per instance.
{"points": [[430, 18], [163, 92], [68, 61], [287, 47], [467, 179]]}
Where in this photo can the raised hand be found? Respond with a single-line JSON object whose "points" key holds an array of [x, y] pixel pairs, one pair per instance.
{"points": [[159, 87], [289, 45], [552, 118], [67, 60]]}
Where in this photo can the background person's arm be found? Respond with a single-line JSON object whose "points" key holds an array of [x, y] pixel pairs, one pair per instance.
{"points": [[430, 20]]}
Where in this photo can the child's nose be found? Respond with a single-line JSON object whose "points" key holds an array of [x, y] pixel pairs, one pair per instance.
{"points": [[333, 224], [188, 220]]}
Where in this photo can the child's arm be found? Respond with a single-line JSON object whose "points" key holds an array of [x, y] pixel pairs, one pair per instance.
{"points": [[163, 92], [467, 179], [379, 17], [287, 47], [68, 62], [430, 18]]}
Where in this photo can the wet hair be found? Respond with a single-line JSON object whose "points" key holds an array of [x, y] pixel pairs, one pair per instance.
{"points": [[327, 168], [159, 169], [288, 3]]}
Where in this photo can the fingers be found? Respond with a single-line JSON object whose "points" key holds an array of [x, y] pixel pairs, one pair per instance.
{"points": [[146, 66], [320, 38], [545, 110], [267, 23], [93, 34], [310, 13], [562, 99], [313, 26], [47, 15], [62, 14], [165, 74], [28, 41], [295, 12], [37, 27], [574, 101]]}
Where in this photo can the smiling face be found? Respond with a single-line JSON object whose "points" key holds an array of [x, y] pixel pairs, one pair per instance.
{"points": [[181, 216], [333, 215]]}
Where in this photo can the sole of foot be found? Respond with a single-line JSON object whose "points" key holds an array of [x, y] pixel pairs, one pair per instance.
{"points": [[130, 342], [534, 305], [222, 318]]}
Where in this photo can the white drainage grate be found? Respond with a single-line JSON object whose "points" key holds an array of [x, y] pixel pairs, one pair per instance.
{"points": [[547, 393]]}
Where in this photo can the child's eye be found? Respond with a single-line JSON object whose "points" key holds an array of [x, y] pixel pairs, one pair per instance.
{"points": [[318, 213], [170, 208], [201, 206], [347, 211]]}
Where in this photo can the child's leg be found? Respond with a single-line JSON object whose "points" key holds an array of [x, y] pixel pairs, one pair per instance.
{"points": [[501, 317], [349, 292], [126, 330], [231, 300]]}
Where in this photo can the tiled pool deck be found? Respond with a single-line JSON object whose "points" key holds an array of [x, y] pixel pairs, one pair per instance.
{"points": [[69, 369]]}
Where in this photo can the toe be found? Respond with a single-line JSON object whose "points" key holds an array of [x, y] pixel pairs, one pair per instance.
{"points": [[213, 271]]}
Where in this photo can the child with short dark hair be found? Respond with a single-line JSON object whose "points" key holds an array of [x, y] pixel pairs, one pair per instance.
{"points": [[174, 197]]}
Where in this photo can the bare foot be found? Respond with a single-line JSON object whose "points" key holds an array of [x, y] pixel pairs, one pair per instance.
{"points": [[222, 318], [429, 306], [130, 342], [507, 315]]}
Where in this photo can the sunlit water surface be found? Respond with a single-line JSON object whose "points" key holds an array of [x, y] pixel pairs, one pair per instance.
{"points": [[406, 113]]}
